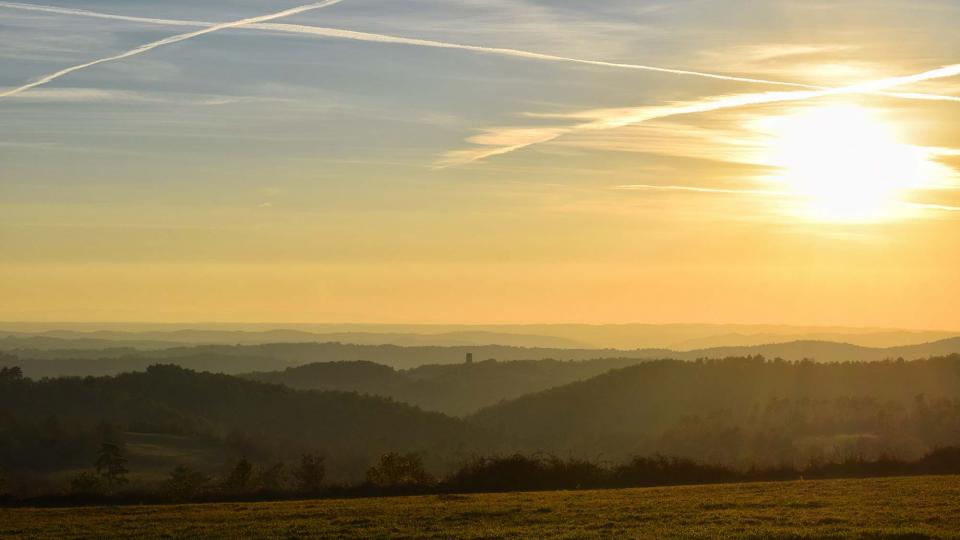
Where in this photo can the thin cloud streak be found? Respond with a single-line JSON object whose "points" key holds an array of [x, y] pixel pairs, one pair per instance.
{"points": [[507, 140], [760, 193], [337, 33], [695, 189], [168, 41], [929, 206]]}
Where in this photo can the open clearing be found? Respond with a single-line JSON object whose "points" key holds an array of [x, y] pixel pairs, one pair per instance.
{"points": [[923, 507]]}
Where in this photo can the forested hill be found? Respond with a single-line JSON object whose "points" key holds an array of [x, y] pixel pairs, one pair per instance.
{"points": [[455, 389], [49, 423], [741, 411]]}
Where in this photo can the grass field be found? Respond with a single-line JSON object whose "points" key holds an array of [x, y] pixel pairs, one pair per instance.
{"points": [[924, 507]]}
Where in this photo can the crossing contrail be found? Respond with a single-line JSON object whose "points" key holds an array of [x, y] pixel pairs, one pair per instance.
{"points": [[168, 41], [337, 33], [501, 141], [527, 137]]}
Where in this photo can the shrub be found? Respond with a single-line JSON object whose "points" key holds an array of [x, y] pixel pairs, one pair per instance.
{"points": [[395, 470], [86, 483], [185, 483], [310, 473], [520, 472], [274, 479], [662, 470], [240, 478]]}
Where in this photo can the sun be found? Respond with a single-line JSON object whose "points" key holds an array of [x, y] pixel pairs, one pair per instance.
{"points": [[842, 163]]}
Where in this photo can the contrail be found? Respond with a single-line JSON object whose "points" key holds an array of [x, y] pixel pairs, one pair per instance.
{"points": [[167, 41], [337, 33], [56, 10], [654, 187], [762, 193], [504, 141]]}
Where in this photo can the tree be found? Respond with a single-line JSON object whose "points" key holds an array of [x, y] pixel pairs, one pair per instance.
{"points": [[396, 470], [185, 483], [112, 464], [274, 479], [11, 374], [86, 483], [111, 433], [310, 473], [240, 479]]}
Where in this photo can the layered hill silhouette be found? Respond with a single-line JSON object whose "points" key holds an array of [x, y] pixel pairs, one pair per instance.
{"points": [[681, 337], [102, 339], [454, 389], [278, 356], [740, 411]]}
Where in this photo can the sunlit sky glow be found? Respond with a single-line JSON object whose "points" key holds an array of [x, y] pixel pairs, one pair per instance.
{"points": [[481, 161]]}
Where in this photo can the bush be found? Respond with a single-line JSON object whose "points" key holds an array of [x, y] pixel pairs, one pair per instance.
{"points": [[185, 483], [86, 483], [661, 470], [395, 470], [310, 473], [240, 478], [274, 479], [519, 472], [941, 461]]}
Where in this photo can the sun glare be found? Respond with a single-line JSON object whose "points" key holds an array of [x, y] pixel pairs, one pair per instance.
{"points": [[843, 164]]}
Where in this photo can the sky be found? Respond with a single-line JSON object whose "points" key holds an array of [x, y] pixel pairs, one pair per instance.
{"points": [[481, 161]]}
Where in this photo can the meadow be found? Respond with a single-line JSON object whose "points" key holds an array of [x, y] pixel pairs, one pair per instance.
{"points": [[906, 507]]}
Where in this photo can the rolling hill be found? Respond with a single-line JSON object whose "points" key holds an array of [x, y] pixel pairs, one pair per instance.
{"points": [[454, 389], [739, 411], [55, 421]]}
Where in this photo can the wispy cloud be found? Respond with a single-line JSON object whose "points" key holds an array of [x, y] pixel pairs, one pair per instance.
{"points": [[337, 33], [168, 41], [88, 95], [103, 95], [761, 193], [696, 189], [499, 141]]}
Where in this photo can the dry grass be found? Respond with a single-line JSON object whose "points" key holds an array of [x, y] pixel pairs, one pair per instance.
{"points": [[925, 507]]}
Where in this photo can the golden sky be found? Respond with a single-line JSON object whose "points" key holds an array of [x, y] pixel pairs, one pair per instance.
{"points": [[460, 161]]}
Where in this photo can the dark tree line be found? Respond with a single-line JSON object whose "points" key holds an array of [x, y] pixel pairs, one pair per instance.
{"points": [[404, 474]]}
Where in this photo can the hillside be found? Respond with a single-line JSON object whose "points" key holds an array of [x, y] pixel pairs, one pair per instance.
{"points": [[54, 423], [455, 389], [740, 411]]}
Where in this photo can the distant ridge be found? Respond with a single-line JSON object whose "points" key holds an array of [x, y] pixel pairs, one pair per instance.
{"points": [[72, 339], [681, 337], [234, 359]]}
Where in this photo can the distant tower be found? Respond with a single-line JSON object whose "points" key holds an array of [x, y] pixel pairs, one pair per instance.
{"points": [[469, 357]]}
